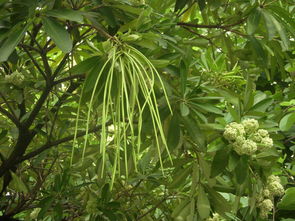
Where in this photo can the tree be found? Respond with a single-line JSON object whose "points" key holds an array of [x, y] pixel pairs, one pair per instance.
{"points": [[147, 110]]}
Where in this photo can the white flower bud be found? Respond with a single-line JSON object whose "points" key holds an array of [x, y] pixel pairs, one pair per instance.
{"points": [[250, 125]]}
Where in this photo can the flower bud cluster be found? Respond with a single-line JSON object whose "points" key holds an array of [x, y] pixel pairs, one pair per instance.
{"points": [[246, 137], [216, 217], [265, 206], [16, 78], [273, 188]]}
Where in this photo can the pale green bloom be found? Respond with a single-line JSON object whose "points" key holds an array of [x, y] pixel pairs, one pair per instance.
{"points": [[216, 217], [263, 133], [266, 142], [274, 185], [266, 193], [233, 130], [276, 189], [250, 125], [265, 206], [243, 146], [15, 78]]}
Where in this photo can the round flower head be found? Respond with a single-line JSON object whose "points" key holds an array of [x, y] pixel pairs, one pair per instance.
{"points": [[256, 137], [15, 78], [276, 188], [238, 145], [233, 130], [249, 147], [273, 178], [266, 193], [263, 133], [243, 146], [266, 142], [250, 125], [265, 206]]}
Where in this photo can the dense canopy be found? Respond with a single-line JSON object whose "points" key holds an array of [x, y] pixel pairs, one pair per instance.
{"points": [[124, 110]]}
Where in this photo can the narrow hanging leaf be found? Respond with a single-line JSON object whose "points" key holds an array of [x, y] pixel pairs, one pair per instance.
{"points": [[220, 161], [59, 35], [12, 41], [253, 21], [271, 30], [173, 137], [203, 204]]}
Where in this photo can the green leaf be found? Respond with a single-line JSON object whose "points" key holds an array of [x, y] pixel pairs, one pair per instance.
{"points": [[203, 204], [253, 21], [45, 204], [11, 42], [288, 200], [58, 34], [195, 132], [202, 4], [258, 49], [183, 77], [180, 5], [18, 183], [184, 110], [220, 204], [220, 161], [180, 177], [208, 108], [67, 14], [109, 16], [130, 9], [271, 29], [262, 106], [241, 171], [85, 66], [274, 26], [173, 137], [287, 121]]}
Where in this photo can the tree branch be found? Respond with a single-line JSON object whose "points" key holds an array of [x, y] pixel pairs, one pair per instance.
{"points": [[211, 26], [8, 106], [57, 142], [10, 116], [34, 61], [68, 78]]}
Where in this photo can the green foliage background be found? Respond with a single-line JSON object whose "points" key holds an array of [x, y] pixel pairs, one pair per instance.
{"points": [[196, 66]]}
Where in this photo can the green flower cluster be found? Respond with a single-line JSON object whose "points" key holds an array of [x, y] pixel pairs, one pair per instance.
{"points": [[246, 137], [273, 188], [16, 78]]}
